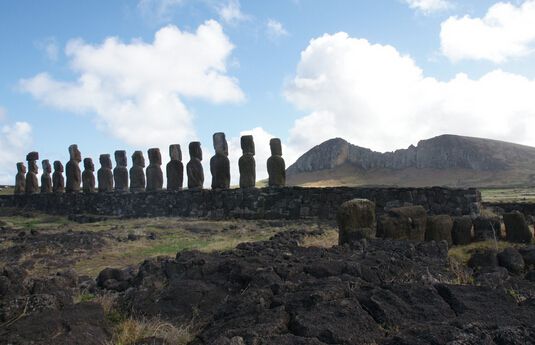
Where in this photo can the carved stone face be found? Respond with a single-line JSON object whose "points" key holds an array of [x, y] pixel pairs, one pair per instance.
{"points": [[276, 147], [105, 161], [47, 168], [120, 158], [195, 150], [247, 144], [88, 164], [32, 156], [175, 153], [155, 157], [32, 165], [220, 143], [75, 153], [21, 168], [138, 159], [58, 166]]}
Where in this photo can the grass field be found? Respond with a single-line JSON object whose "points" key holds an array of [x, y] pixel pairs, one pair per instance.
{"points": [[508, 195]]}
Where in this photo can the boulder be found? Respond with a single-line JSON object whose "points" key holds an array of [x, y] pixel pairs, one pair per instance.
{"points": [[403, 223], [461, 233], [439, 229], [528, 254], [486, 228], [511, 259], [483, 258], [516, 228], [356, 220]]}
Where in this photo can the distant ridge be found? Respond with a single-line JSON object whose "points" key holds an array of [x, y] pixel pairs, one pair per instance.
{"points": [[445, 160]]}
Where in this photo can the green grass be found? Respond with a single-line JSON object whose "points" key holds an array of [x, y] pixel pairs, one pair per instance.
{"points": [[508, 195]]}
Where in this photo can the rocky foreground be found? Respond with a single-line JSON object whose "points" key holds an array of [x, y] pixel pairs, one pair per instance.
{"points": [[278, 292]]}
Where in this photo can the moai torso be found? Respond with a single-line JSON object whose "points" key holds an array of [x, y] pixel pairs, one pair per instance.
{"points": [[175, 168], [46, 179], [105, 174], [58, 182], [275, 165], [72, 170], [194, 167], [120, 173], [247, 163], [88, 176], [20, 178], [32, 184], [137, 173], [219, 163], [154, 171]]}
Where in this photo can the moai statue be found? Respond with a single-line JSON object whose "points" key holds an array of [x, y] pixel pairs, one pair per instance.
{"points": [[137, 172], [247, 163], [219, 163], [275, 164], [72, 170], [154, 171], [88, 176], [105, 174], [46, 179], [194, 167], [175, 168], [20, 178], [32, 184], [120, 173], [58, 182]]}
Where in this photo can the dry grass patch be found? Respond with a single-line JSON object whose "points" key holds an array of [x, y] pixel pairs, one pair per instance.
{"points": [[327, 240], [463, 253], [131, 330]]}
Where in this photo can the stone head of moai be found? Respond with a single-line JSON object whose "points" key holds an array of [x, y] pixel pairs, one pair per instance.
{"points": [[21, 168], [47, 168], [74, 153], [105, 161], [220, 143], [120, 158], [275, 146], [58, 166], [247, 144], [195, 150], [88, 164], [175, 153], [32, 156], [137, 159], [32, 167], [155, 157]]}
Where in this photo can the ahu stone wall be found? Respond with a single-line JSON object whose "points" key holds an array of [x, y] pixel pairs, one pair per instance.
{"points": [[251, 203]]}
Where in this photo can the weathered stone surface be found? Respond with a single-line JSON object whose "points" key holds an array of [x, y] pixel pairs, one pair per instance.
{"points": [[356, 220], [72, 170], [154, 171], [105, 174], [137, 172], [88, 176], [511, 259], [219, 163], [46, 178], [528, 254], [58, 182], [487, 228], [483, 258], [194, 167], [246, 163], [516, 228], [400, 223], [120, 172], [462, 230], [439, 229], [175, 168], [32, 184], [20, 178], [275, 165]]}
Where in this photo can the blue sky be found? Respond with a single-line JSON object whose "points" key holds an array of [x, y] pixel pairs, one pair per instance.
{"points": [[382, 74]]}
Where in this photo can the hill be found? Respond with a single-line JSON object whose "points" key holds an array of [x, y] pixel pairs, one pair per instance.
{"points": [[446, 160]]}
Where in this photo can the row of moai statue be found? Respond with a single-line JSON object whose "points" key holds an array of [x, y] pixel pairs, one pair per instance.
{"points": [[151, 178]]}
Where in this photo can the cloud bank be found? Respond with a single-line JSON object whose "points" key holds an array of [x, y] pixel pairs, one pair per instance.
{"points": [[15, 140], [429, 6]]}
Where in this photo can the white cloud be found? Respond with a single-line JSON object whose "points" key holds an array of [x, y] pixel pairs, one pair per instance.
{"points": [[158, 10], [506, 31], [429, 6], [136, 89], [15, 140], [275, 29], [50, 47], [375, 97], [231, 12]]}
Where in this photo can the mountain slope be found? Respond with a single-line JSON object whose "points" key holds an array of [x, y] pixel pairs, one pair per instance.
{"points": [[446, 160]]}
